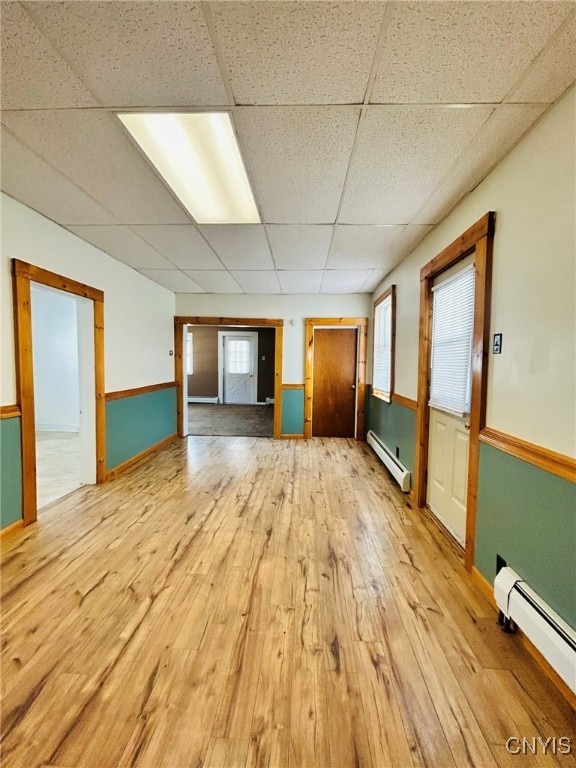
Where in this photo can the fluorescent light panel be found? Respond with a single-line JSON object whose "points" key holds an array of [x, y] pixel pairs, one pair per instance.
{"points": [[198, 157]]}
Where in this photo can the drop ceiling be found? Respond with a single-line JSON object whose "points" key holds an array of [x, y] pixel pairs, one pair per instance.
{"points": [[361, 124]]}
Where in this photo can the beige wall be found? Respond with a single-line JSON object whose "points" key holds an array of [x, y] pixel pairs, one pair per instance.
{"points": [[532, 384]]}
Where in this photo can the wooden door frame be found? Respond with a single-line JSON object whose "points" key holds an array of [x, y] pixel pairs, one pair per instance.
{"points": [[478, 239], [23, 274], [250, 323], [361, 326]]}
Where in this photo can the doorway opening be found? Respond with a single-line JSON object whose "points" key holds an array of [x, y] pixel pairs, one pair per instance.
{"points": [[229, 372], [335, 377], [476, 243], [89, 335], [64, 397]]}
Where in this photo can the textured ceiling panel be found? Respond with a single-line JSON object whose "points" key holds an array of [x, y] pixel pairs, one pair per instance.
{"points": [[553, 71], [361, 247], [257, 282], [240, 246], [34, 74], [298, 157], [121, 243], [300, 282], [345, 280], [299, 247], [90, 149], [136, 53], [182, 244], [402, 154], [407, 242], [375, 279], [28, 178], [298, 53], [215, 281], [461, 52], [173, 279], [493, 142]]}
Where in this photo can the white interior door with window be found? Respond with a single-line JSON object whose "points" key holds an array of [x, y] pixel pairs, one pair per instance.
{"points": [[450, 387], [238, 354]]}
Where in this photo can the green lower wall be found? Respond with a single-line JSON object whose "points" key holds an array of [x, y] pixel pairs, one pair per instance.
{"points": [[293, 411], [528, 516], [136, 423], [394, 425], [10, 471]]}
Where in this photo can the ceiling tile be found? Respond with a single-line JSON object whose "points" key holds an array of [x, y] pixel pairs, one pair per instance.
{"points": [[304, 281], [298, 53], [28, 178], [257, 282], [239, 246], [297, 159], [344, 280], [408, 241], [302, 246], [553, 71], [498, 135], [375, 279], [136, 53], [123, 244], [464, 52], [173, 279], [182, 244], [401, 156], [214, 281], [34, 74], [89, 147], [361, 247]]}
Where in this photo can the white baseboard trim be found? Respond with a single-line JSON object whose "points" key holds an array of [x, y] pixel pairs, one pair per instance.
{"points": [[202, 399], [57, 428]]}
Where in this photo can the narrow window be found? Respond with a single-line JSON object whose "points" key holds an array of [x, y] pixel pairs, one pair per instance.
{"points": [[189, 354], [452, 331], [384, 320]]}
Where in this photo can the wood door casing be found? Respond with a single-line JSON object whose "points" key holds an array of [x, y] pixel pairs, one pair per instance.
{"points": [[334, 382]]}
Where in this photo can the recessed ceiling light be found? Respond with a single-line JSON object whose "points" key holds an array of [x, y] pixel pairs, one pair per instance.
{"points": [[197, 155]]}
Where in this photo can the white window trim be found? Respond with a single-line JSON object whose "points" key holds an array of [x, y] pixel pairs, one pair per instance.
{"points": [[387, 298]]}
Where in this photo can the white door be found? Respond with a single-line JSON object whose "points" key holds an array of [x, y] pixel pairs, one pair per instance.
{"points": [[450, 378], [448, 471], [239, 352]]}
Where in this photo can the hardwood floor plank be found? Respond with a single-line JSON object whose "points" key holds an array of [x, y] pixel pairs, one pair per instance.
{"points": [[239, 602]]}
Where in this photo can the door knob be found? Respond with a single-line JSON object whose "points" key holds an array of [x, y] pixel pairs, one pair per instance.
{"points": [[466, 426], [353, 386]]}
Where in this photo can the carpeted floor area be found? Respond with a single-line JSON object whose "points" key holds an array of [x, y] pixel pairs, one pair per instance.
{"points": [[244, 420]]}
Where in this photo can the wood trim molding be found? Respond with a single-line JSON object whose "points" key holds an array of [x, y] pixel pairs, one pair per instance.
{"points": [[486, 588], [121, 393], [361, 323], [181, 320], [292, 437], [478, 238], [248, 321], [140, 457], [9, 411], [484, 227], [405, 401], [12, 528], [543, 458], [292, 386], [23, 275], [43, 276]]}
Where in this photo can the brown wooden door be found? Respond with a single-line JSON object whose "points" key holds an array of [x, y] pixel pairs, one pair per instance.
{"points": [[334, 382]]}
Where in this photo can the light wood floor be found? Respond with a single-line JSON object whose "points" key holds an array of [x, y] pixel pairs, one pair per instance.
{"points": [[57, 465], [250, 602]]}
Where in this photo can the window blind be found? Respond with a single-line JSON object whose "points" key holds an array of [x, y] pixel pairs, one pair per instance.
{"points": [[452, 331], [381, 377]]}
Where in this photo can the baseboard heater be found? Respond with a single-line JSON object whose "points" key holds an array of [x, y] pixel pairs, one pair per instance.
{"points": [[520, 606], [392, 464], [202, 399]]}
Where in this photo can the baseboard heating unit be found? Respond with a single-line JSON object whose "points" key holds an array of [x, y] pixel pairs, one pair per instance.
{"points": [[202, 399], [555, 639], [392, 464]]}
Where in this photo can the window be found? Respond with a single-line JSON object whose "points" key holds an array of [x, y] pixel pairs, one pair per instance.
{"points": [[452, 331], [238, 356], [189, 354], [384, 319]]}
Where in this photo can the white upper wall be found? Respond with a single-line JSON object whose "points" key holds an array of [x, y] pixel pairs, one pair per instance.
{"points": [[138, 314], [287, 308], [532, 384]]}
